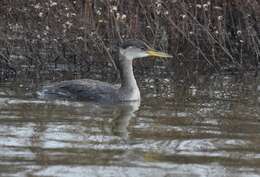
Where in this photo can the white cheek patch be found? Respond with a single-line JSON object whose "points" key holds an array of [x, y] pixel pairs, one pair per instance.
{"points": [[131, 53], [126, 53], [122, 53], [144, 54]]}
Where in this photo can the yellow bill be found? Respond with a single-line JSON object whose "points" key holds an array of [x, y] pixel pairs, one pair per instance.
{"points": [[154, 53]]}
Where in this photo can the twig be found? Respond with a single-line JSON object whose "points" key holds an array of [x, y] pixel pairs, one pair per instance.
{"points": [[190, 41]]}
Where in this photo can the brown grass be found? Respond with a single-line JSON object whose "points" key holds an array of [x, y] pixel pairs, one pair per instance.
{"points": [[213, 35]]}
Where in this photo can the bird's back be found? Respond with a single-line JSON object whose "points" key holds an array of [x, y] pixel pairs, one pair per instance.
{"points": [[81, 89]]}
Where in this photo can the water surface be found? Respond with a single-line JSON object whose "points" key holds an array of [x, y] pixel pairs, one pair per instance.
{"points": [[207, 127]]}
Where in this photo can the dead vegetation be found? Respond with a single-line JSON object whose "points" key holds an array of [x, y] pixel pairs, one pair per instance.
{"points": [[205, 35]]}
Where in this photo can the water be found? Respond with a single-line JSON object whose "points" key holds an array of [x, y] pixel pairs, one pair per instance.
{"points": [[207, 127]]}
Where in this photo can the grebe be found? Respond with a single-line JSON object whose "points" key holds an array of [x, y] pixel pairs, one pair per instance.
{"points": [[97, 91]]}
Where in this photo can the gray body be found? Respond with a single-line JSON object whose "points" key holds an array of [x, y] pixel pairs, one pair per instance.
{"points": [[93, 90]]}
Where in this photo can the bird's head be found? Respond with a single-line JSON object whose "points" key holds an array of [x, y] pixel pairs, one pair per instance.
{"points": [[132, 49]]}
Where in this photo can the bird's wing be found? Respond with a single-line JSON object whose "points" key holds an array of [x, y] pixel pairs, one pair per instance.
{"points": [[82, 89]]}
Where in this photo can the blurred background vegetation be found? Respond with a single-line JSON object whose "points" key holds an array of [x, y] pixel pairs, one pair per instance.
{"points": [[79, 35]]}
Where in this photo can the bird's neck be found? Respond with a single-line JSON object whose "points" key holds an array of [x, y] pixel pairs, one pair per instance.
{"points": [[127, 74], [128, 82]]}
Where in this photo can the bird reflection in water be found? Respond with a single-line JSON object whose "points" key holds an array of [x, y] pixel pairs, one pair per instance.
{"points": [[126, 111]]}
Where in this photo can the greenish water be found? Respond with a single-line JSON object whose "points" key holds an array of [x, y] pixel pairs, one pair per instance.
{"points": [[208, 127]]}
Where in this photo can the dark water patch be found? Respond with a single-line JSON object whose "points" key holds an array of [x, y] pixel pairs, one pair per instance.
{"points": [[203, 127]]}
